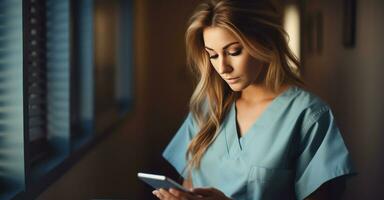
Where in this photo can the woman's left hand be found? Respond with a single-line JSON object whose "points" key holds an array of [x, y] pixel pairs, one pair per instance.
{"points": [[195, 194]]}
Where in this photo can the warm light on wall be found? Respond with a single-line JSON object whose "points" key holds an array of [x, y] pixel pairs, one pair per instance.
{"points": [[292, 27]]}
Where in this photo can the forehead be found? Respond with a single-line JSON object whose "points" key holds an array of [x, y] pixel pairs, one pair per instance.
{"points": [[216, 37]]}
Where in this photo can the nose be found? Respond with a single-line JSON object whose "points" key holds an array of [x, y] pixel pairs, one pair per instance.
{"points": [[224, 66]]}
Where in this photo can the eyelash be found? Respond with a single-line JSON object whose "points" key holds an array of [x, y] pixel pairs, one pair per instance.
{"points": [[236, 53]]}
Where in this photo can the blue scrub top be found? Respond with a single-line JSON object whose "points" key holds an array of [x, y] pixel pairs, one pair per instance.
{"points": [[290, 150]]}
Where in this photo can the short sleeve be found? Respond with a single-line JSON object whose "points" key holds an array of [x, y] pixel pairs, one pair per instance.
{"points": [[323, 154], [176, 150]]}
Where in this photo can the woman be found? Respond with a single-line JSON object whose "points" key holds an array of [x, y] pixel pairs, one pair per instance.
{"points": [[253, 132]]}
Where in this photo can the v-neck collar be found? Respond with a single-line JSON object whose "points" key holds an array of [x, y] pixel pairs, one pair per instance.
{"points": [[235, 144]]}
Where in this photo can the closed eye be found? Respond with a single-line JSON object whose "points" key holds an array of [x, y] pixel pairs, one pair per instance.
{"points": [[213, 56], [235, 53]]}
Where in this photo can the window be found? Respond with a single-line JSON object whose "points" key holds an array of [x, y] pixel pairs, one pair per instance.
{"points": [[12, 177], [124, 77], [82, 95], [292, 27], [36, 82], [114, 67], [47, 88]]}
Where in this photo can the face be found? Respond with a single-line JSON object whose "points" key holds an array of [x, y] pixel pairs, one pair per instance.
{"points": [[230, 59]]}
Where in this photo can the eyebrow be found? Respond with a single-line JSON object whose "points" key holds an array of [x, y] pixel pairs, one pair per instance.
{"points": [[225, 47]]}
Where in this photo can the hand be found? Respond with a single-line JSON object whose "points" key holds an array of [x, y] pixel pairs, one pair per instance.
{"points": [[174, 194], [195, 194]]}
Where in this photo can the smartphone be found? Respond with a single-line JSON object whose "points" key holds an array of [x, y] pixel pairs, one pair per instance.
{"points": [[160, 181]]}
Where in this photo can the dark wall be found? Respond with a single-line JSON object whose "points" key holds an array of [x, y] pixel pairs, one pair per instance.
{"points": [[350, 80]]}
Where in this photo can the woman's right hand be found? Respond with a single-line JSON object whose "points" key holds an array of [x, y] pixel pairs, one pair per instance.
{"points": [[174, 194], [207, 193]]}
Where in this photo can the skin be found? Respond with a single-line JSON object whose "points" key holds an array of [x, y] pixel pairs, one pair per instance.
{"points": [[245, 74], [231, 60]]}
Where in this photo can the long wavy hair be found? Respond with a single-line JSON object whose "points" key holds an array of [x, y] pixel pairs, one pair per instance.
{"points": [[257, 25]]}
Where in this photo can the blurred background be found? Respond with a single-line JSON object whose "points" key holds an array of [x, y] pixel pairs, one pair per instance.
{"points": [[91, 91]]}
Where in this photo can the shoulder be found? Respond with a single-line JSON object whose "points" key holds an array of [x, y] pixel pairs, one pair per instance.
{"points": [[307, 103], [306, 107], [307, 100]]}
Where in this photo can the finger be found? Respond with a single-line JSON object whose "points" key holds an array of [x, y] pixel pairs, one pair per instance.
{"points": [[157, 194], [182, 195], [175, 192], [166, 195]]}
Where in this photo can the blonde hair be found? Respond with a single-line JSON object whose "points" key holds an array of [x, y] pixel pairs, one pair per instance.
{"points": [[257, 24]]}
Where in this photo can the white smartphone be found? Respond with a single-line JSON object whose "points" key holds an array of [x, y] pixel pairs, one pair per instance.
{"points": [[160, 181]]}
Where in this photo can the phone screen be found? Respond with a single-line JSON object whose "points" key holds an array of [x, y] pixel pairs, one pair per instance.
{"points": [[160, 181]]}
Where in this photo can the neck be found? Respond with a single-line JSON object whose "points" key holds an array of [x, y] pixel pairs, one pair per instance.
{"points": [[259, 92]]}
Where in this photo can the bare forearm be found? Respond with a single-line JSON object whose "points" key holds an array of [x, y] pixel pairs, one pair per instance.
{"points": [[187, 183]]}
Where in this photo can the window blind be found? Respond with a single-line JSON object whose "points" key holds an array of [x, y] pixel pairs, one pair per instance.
{"points": [[58, 62], [11, 99], [35, 36], [52, 100], [37, 69]]}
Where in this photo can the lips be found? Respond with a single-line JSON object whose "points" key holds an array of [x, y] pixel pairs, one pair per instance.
{"points": [[231, 80]]}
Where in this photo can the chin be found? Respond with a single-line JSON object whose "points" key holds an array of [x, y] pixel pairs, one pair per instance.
{"points": [[236, 88]]}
